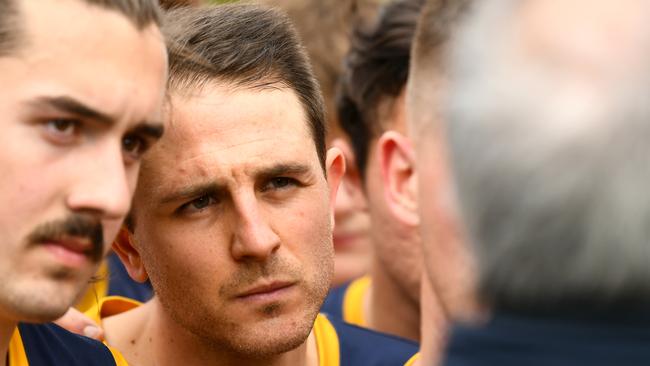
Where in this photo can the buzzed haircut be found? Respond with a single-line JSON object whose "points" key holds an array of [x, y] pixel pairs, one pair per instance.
{"points": [[376, 70], [247, 46], [437, 23], [140, 12]]}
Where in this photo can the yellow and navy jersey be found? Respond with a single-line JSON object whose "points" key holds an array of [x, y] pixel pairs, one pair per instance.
{"points": [[343, 344], [113, 280], [346, 301], [49, 344], [338, 343]]}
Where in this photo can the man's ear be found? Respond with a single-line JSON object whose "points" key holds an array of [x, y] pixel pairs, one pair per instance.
{"points": [[335, 167], [129, 255], [397, 164]]}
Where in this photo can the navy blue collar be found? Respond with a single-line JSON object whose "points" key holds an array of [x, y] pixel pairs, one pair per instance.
{"points": [[558, 341]]}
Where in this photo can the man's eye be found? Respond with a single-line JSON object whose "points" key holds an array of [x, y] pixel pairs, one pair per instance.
{"points": [[134, 146], [280, 183], [201, 202], [197, 205], [62, 127]]}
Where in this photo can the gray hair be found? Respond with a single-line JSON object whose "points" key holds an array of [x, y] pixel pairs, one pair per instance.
{"points": [[551, 170]]}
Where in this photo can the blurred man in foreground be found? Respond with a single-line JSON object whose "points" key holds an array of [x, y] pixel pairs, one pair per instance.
{"points": [[78, 112]]}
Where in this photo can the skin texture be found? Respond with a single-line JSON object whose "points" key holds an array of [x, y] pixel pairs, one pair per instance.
{"points": [[232, 198], [61, 164]]}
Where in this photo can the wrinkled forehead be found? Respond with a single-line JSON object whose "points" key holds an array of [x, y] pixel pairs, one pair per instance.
{"points": [[219, 130]]}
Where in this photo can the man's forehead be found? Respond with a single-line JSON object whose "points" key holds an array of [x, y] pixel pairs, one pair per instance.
{"points": [[236, 114], [89, 61]]}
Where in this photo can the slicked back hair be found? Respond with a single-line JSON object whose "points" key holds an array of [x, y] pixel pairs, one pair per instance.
{"points": [[246, 46], [376, 70], [324, 27], [141, 13]]}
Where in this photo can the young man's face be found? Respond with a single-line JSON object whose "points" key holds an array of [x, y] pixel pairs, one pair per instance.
{"points": [[76, 99], [233, 219]]}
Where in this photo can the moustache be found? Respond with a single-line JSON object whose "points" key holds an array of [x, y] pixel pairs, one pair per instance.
{"points": [[76, 225]]}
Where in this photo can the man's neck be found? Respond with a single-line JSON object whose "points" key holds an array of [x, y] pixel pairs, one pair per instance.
{"points": [[7, 329], [389, 308], [433, 326], [146, 336]]}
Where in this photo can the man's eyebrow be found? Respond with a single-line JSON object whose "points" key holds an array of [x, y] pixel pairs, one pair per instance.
{"points": [[69, 105], [282, 169], [152, 129], [72, 106], [194, 191]]}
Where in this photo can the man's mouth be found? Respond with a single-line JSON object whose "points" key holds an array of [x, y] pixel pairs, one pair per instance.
{"points": [[267, 292], [71, 251]]}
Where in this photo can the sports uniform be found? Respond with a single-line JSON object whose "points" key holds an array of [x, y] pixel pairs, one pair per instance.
{"points": [[346, 301], [49, 344], [113, 280], [338, 343]]}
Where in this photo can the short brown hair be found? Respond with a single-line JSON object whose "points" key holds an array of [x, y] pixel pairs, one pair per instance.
{"points": [[247, 46], [140, 12]]}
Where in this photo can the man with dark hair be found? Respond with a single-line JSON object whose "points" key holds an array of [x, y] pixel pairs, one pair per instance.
{"points": [[80, 105], [371, 111], [232, 216]]}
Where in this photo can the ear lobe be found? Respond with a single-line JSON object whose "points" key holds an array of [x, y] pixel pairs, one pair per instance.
{"points": [[129, 255], [398, 174]]}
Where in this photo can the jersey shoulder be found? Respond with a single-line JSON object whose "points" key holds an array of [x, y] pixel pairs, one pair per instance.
{"points": [[49, 344], [361, 346]]}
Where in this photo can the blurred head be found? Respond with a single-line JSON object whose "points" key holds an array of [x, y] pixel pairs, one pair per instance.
{"points": [[79, 108], [447, 259], [371, 102], [232, 216], [553, 182], [323, 26]]}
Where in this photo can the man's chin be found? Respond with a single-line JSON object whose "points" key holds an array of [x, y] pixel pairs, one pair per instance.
{"points": [[39, 313], [269, 342], [44, 303]]}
